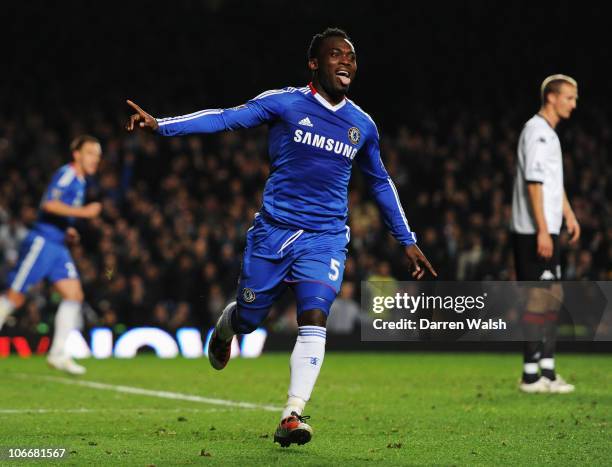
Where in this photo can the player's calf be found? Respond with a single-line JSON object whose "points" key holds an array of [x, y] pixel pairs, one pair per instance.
{"points": [[6, 308], [9, 302], [220, 346]]}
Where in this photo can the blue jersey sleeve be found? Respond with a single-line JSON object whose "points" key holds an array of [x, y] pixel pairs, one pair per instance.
{"points": [[60, 187], [65, 186], [264, 108], [384, 191]]}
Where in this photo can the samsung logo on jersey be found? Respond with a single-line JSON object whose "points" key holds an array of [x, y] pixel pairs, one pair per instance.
{"points": [[321, 142]]}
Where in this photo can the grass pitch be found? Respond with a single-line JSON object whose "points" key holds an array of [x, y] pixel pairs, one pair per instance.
{"points": [[367, 409]]}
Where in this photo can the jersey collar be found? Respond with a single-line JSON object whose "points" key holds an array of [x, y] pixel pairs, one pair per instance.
{"points": [[547, 122], [323, 102], [79, 177]]}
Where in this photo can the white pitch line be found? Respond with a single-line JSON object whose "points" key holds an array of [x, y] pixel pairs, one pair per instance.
{"points": [[21, 411], [84, 410], [160, 394]]}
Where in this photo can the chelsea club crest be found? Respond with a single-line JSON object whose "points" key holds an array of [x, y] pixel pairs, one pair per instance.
{"points": [[354, 135], [248, 295]]}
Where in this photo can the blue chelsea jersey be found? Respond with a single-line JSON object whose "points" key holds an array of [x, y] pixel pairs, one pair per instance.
{"points": [[67, 187], [312, 146]]}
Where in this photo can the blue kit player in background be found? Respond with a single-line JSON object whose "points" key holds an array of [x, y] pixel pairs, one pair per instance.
{"points": [[45, 255], [299, 238]]}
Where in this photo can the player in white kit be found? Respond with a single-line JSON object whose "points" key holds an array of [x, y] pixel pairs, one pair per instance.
{"points": [[539, 206]]}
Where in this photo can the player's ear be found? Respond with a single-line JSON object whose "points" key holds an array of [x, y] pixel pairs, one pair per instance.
{"points": [[313, 64]]}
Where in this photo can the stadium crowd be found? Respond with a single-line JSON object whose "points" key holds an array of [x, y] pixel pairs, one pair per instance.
{"points": [[166, 250]]}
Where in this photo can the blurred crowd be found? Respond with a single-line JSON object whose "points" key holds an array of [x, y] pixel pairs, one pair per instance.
{"points": [[167, 249]]}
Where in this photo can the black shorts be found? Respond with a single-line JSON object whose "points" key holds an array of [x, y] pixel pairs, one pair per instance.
{"points": [[529, 266]]}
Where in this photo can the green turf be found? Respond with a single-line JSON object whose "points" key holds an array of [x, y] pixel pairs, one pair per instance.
{"points": [[367, 409]]}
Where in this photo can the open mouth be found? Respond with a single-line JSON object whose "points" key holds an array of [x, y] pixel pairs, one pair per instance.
{"points": [[344, 77]]}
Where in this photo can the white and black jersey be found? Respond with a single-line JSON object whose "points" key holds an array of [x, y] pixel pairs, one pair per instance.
{"points": [[539, 160]]}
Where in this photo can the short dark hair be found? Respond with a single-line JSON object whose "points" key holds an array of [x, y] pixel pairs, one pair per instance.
{"points": [[317, 40], [552, 85], [78, 142]]}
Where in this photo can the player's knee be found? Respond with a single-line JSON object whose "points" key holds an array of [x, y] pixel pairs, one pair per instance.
{"points": [[70, 289], [246, 320], [556, 297], [538, 299], [315, 317], [75, 295], [17, 298], [314, 299]]}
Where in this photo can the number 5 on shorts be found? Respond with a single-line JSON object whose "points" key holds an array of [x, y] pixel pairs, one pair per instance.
{"points": [[335, 272]]}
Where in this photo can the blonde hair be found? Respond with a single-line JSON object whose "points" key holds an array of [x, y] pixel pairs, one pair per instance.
{"points": [[553, 84]]}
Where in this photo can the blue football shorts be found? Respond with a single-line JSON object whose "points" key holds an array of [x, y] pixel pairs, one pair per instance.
{"points": [[311, 263], [40, 258]]}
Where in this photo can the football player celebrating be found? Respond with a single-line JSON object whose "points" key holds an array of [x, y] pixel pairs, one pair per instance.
{"points": [[299, 238]]}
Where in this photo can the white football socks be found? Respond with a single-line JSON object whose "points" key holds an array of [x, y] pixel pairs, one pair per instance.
{"points": [[67, 318], [530, 369], [547, 363], [6, 308], [306, 361]]}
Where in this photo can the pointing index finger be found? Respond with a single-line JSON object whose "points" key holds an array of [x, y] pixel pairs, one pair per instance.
{"points": [[431, 269], [136, 107], [429, 266]]}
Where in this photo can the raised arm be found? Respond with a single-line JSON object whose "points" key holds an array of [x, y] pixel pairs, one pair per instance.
{"points": [[264, 108], [387, 199]]}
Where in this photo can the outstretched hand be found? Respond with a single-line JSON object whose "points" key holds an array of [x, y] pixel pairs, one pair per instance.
{"points": [[141, 119], [418, 262]]}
